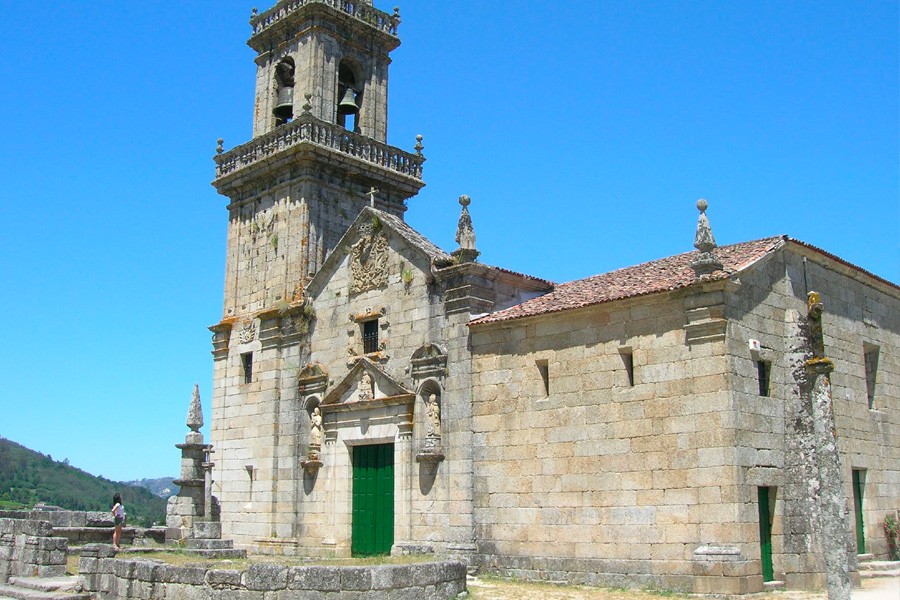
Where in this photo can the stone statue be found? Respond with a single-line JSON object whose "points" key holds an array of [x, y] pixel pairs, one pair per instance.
{"points": [[815, 308], [315, 428], [365, 387], [434, 417]]}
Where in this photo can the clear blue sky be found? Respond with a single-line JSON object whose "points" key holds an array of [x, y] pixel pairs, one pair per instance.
{"points": [[584, 132]]}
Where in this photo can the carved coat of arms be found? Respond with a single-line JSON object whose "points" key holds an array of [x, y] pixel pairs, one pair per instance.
{"points": [[368, 263]]}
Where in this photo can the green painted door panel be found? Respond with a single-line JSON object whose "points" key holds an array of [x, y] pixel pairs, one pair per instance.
{"points": [[373, 500], [858, 511], [765, 534]]}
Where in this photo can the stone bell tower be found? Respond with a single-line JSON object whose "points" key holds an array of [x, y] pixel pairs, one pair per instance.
{"points": [[318, 149], [318, 156]]}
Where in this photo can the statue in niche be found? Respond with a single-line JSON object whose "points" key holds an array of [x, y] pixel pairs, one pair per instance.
{"points": [[316, 434], [366, 391], [434, 417]]}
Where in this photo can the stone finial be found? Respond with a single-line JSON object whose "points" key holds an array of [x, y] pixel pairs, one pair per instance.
{"points": [[706, 262], [465, 234], [219, 147], [395, 20], [419, 147], [307, 106], [195, 412], [254, 12]]}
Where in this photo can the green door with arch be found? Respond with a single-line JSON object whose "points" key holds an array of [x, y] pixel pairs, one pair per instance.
{"points": [[373, 500]]}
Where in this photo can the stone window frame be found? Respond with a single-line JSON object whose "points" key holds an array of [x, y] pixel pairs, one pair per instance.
{"points": [[247, 367], [871, 356], [369, 335], [764, 377], [627, 355], [362, 319], [543, 368]]}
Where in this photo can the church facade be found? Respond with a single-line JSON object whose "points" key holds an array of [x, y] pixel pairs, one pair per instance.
{"points": [[376, 394]]}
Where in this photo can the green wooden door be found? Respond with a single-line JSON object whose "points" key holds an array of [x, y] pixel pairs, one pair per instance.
{"points": [[858, 511], [373, 500], [765, 534]]}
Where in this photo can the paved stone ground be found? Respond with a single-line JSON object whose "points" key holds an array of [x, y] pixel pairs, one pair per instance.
{"points": [[882, 588]]}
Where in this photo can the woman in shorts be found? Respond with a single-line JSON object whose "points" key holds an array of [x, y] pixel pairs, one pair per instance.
{"points": [[118, 512]]}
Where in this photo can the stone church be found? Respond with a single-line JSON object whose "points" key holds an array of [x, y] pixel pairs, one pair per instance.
{"points": [[374, 393]]}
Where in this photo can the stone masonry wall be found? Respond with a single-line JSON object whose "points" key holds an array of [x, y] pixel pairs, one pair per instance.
{"points": [[28, 549], [119, 579], [601, 481], [655, 483], [859, 313], [266, 424]]}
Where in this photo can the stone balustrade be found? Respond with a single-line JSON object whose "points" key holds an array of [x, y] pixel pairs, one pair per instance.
{"points": [[360, 10], [309, 129], [111, 578]]}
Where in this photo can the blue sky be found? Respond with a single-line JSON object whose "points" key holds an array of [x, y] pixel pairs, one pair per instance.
{"points": [[584, 132]]}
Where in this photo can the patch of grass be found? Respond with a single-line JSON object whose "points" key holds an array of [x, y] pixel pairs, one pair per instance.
{"points": [[72, 564]]}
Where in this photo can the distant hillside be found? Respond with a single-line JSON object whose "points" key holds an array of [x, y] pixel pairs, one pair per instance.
{"points": [[161, 486], [28, 477]]}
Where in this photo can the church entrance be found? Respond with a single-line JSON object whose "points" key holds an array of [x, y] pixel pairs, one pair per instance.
{"points": [[373, 500]]}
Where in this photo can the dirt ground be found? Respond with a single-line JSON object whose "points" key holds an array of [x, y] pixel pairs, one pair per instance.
{"points": [[885, 588]]}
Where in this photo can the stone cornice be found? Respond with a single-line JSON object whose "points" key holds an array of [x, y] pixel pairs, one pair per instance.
{"points": [[289, 17], [308, 138]]}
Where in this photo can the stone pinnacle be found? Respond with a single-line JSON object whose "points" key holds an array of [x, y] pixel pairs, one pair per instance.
{"points": [[195, 412]]}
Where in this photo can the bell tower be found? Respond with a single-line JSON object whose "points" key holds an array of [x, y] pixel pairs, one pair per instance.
{"points": [[318, 156], [318, 149]]}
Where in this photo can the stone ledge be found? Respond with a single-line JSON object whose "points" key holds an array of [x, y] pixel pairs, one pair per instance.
{"points": [[438, 580]]}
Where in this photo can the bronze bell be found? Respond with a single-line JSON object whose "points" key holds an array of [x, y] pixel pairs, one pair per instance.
{"points": [[347, 105], [284, 105]]}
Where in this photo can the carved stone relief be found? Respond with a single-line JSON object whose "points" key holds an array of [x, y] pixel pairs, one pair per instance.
{"points": [[368, 263], [248, 332], [365, 389]]}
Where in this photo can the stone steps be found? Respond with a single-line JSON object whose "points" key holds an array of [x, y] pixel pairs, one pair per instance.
{"points": [[870, 568], [879, 568], [43, 588]]}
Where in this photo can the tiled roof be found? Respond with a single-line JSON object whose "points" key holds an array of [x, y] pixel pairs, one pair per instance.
{"points": [[661, 275]]}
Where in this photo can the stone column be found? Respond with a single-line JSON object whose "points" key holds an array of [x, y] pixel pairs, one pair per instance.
{"points": [[190, 502], [830, 500]]}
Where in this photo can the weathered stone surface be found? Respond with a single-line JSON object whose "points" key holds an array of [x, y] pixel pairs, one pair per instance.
{"points": [[266, 577]]}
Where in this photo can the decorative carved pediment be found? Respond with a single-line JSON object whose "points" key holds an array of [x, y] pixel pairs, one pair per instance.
{"points": [[312, 379], [429, 361], [366, 382]]}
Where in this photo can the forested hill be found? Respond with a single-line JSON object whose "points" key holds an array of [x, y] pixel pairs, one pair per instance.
{"points": [[28, 477]]}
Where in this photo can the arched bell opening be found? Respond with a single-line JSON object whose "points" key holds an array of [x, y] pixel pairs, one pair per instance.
{"points": [[284, 92], [349, 97]]}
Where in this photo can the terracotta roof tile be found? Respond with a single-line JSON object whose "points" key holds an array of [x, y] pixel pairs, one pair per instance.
{"points": [[661, 275]]}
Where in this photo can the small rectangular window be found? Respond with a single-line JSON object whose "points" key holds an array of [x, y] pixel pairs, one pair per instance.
{"points": [[370, 336], [628, 362], [247, 366], [544, 371], [870, 357], [763, 371]]}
